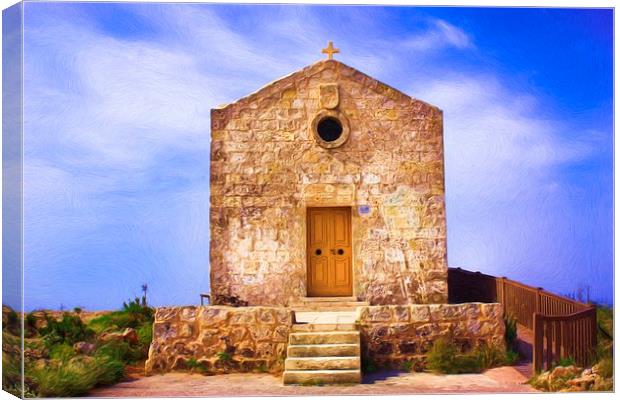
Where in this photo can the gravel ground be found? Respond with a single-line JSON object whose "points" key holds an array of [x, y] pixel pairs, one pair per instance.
{"points": [[175, 384]]}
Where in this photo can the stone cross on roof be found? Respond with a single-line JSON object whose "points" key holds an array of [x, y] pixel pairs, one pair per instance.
{"points": [[330, 50]]}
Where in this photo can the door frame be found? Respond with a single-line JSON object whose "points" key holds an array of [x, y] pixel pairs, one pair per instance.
{"points": [[307, 242]]}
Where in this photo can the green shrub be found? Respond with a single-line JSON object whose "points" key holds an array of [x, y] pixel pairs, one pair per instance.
{"points": [[12, 318], [11, 374], [261, 368], [133, 315], [115, 350], [120, 351], [145, 334], [62, 381], [441, 356], [76, 377], [604, 385], [445, 358], [490, 356], [106, 322], [466, 364], [224, 356], [511, 332], [61, 351], [605, 319], [606, 367], [134, 306], [368, 365], [51, 339], [604, 349], [512, 357], [138, 310], [13, 324], [109, 371], [406, 365], [193, 365], [69, 329], [565, 362], [31, 321]]}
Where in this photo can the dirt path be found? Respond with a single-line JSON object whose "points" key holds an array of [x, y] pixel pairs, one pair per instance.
{"points": [[175, 384]]}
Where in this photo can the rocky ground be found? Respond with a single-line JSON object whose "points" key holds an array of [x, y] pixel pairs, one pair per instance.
{"points": [[574, 379]]}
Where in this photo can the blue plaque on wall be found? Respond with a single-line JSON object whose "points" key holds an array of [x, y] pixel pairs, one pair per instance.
{"points": [[363, 209]]}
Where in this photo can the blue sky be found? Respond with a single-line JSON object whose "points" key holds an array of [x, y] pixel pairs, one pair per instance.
{"points": [[117, 100]]}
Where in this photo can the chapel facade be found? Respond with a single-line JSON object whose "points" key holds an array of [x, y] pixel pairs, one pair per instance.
{"points": [[328, 183]]}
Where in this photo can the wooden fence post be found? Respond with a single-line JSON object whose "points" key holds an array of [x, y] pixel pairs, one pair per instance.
{"points": [[537, 346], [557, 341], [503, 298], [538, 290], [594, 333]]}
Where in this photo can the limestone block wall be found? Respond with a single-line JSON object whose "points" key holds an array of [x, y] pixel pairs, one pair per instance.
{"points": [[391, 335], [219, 338], [267, 169]]}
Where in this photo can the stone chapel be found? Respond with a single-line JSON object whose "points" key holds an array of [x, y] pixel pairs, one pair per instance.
{"points": [[327, 194], [327, 183]]}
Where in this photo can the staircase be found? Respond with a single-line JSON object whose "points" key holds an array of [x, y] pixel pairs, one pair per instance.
{"points": [[324, 346]]}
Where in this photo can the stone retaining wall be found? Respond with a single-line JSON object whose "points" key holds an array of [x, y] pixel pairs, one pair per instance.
{"points": [[392, 335], [219, 338]]}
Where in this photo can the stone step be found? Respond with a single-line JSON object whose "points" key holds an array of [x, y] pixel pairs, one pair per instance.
{"points": [[319, 377], [321, 363], [328, 306], [335, 337], [325, 317], [323, 327], [324, 350], [327, 299]]}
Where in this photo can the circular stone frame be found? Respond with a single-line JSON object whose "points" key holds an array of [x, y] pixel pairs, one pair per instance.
{"points": [[344, 122]]}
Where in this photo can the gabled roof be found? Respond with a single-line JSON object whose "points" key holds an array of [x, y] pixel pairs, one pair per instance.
{"points": [[288, 81]]}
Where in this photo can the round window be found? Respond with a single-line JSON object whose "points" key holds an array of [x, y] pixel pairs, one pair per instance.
{"points": [[330, 128]]}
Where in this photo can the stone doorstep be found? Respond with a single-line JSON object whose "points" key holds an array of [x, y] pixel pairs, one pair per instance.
{"points": [[351, 307], [324, 350], [335, 337], [319, 377], [328, 299], [325, 317], [305, 327], [322, 363], [328, 304]]}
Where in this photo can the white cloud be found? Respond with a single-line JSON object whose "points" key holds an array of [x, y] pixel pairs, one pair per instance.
{"points": [[511, 210], [441, 34], [498, 143], [134, 100]]}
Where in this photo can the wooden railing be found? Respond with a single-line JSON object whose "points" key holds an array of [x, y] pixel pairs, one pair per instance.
{"points": [[522, 301], [562, 327], [564, 336]]}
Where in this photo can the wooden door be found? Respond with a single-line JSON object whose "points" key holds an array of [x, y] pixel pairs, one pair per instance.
{"points": [[329, 251]]}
